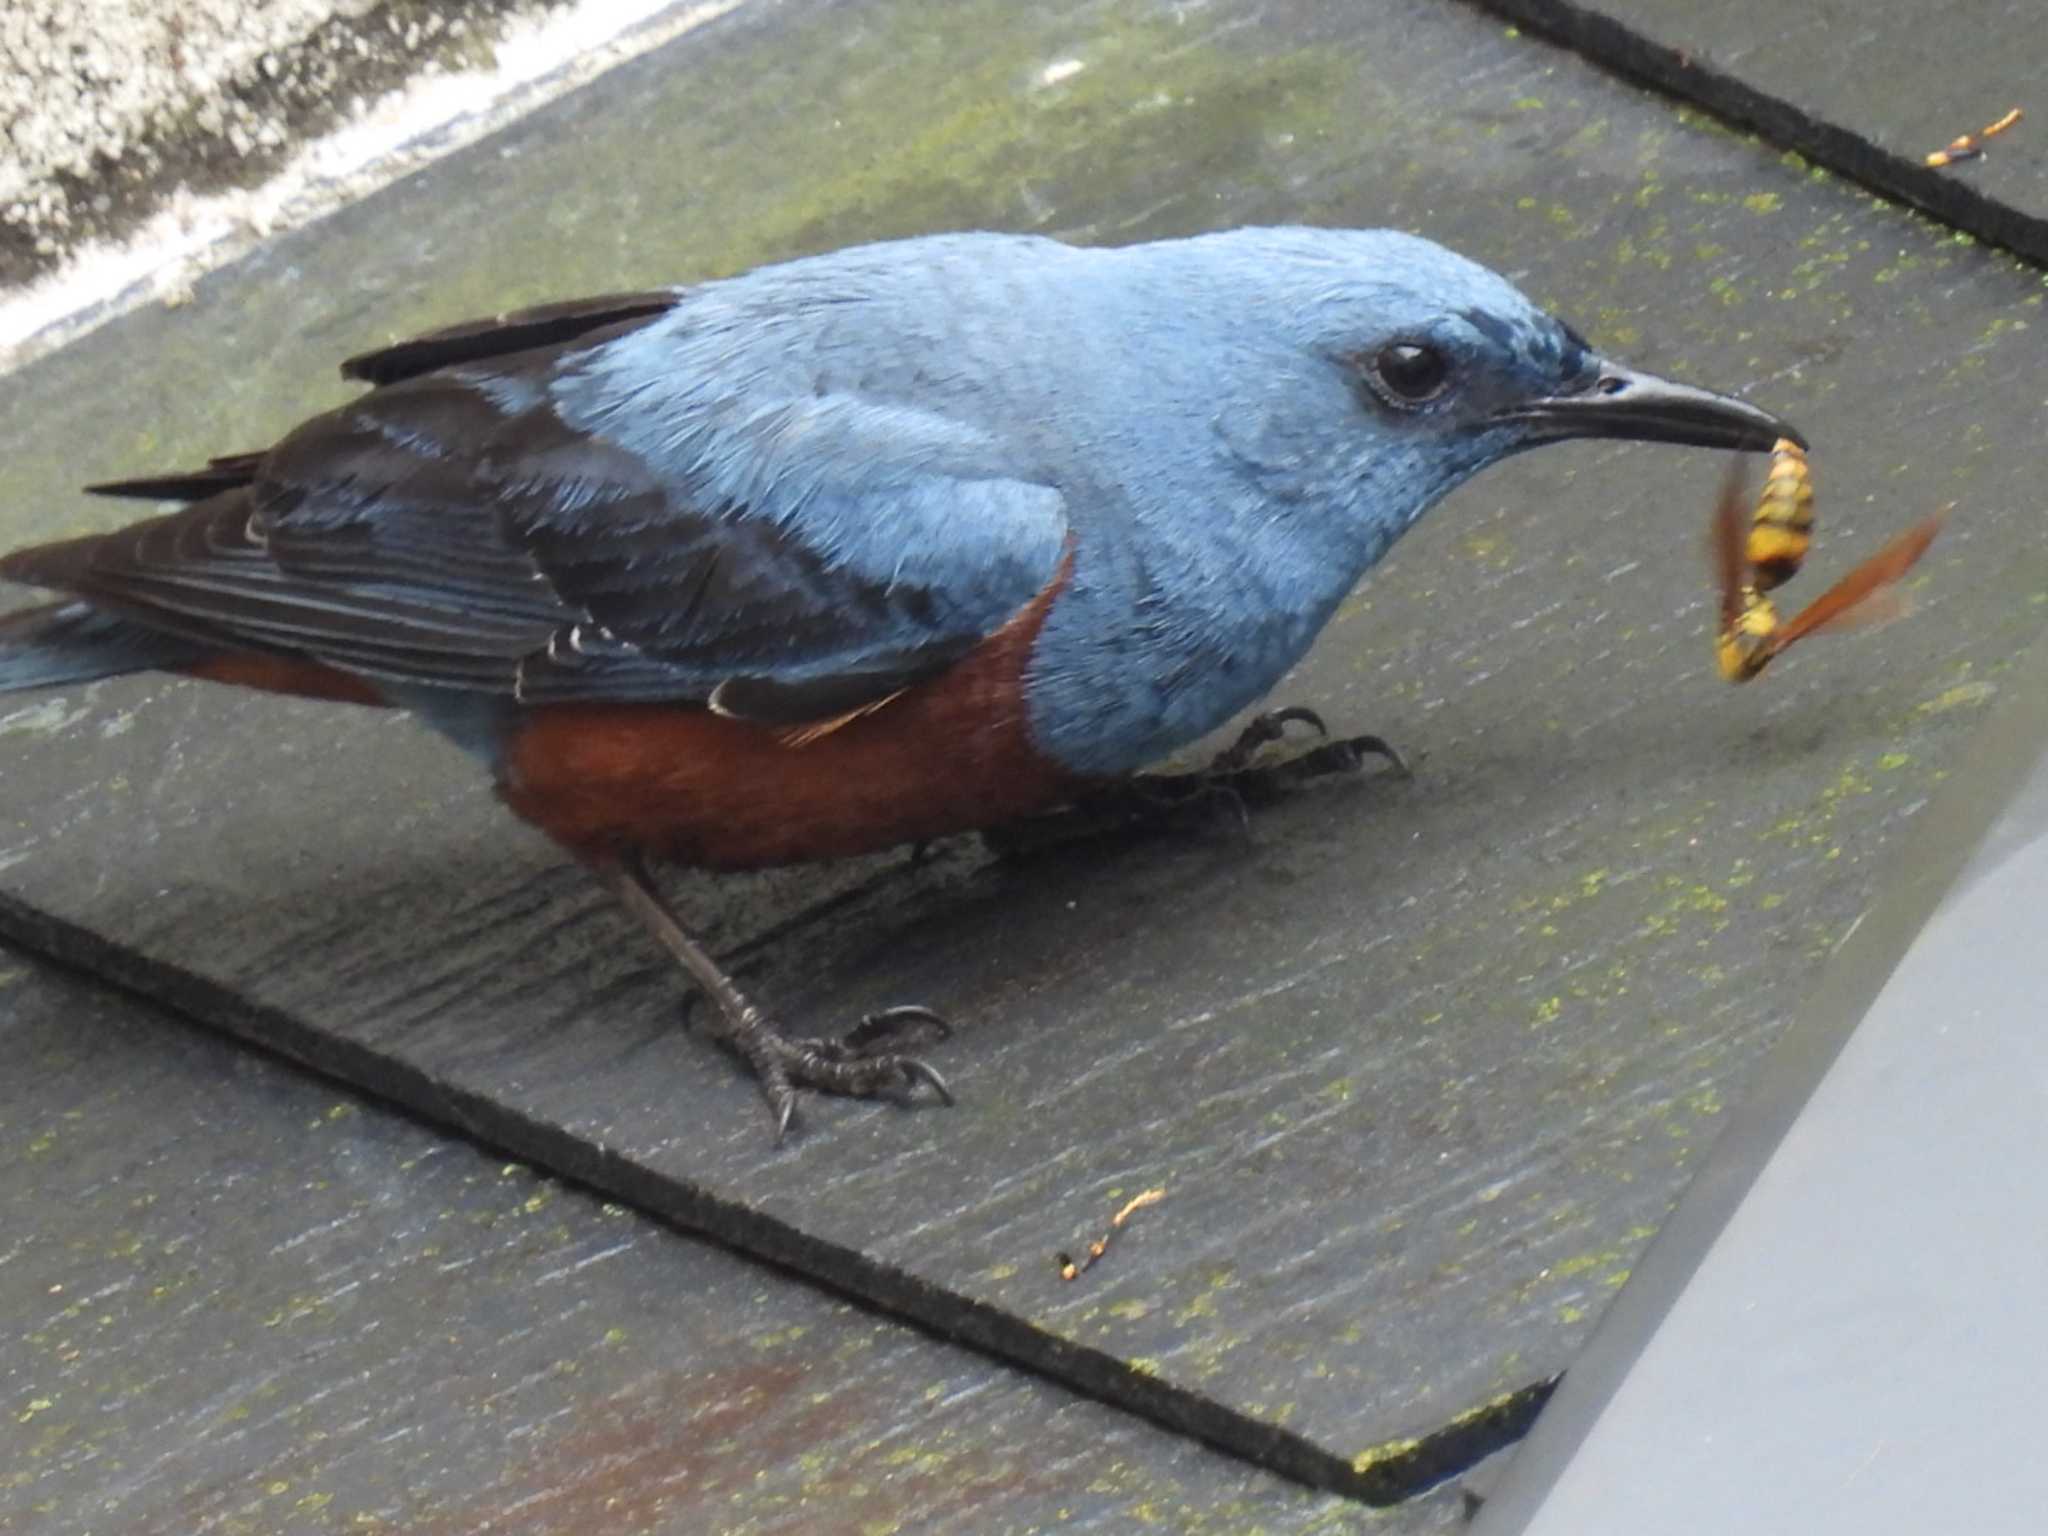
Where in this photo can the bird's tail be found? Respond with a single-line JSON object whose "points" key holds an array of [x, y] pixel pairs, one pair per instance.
{"points": [[73, 642]]}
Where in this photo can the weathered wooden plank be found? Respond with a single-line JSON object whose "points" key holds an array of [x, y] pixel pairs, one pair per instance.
{"points": [[240, 1299], [1422, 1062]]}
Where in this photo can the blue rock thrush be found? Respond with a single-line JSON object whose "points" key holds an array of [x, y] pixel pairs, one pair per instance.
{"points": [[866, 548]]}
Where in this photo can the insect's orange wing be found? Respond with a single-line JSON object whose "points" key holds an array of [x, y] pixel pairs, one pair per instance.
{"points": [[1729, 532], [1867, 594]]}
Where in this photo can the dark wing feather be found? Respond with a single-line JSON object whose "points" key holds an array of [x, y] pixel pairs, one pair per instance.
{"points": [[451, 529], [205, 574], [521, 330], [221, 474], [468, 341]]}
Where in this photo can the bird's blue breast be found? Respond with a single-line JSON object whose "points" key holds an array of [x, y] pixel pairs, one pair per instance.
{"points": [[1157, 641], [1240, 499]]}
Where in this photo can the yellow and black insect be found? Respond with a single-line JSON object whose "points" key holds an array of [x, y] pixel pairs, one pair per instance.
{"points": [[1780, 532], [1968, 146]]}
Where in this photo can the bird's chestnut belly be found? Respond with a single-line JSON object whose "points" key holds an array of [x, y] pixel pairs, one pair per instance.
{"points": [[729, 794], [679, 782]]}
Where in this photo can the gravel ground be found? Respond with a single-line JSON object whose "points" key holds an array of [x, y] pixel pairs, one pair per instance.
{"points": [[109, 106], [148, 141], [91, 78]]}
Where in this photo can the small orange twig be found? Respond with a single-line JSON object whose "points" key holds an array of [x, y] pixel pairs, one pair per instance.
{"points": [[1968, 146], [1071, 1270]]}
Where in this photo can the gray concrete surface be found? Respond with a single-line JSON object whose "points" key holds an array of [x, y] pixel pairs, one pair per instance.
{"points": [[1423, 1063], [239, 1300], [1843, 1305]]}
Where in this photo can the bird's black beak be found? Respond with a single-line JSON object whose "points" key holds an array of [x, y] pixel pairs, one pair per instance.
{"points": [[1622, 403]]}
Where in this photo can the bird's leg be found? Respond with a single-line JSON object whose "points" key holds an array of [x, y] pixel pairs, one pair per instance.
{"points": [[860, 1064]]}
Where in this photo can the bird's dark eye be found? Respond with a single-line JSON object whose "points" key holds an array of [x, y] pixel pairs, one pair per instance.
{"points": [[1410, 373]]}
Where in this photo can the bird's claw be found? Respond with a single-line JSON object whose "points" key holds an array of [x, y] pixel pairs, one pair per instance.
{"points": [[1262, 730], [1344, 756], [1235, 768], [861, 1064]]}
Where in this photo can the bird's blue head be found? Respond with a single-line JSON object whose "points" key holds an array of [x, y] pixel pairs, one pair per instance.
{"points": [[1443, 367], [1282, 405]]}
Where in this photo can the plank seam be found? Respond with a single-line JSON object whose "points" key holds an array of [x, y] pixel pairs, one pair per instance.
{"points": [[1386, 1476]]}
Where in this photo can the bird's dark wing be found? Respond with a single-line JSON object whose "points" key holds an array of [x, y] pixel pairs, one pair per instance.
{"points": [[803, 558], [469, 341]]}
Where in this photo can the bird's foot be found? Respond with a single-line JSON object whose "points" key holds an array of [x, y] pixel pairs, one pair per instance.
{"points": [[1237, 765], [1262, 731], [1232, 782], [864, 1063], [1236, 773]]}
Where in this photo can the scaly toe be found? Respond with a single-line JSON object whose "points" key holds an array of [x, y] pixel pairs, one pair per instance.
{"points": [[855, 1066], [828, 1066]]}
